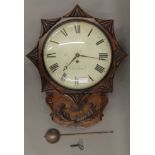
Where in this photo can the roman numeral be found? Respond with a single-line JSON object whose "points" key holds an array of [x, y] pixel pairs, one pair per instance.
{"points": [[54, 42], [63, 31], [99, 42], [90, 32], [54, 67], [90, 78], [103, 56], [77, 28], [99, 68], [51, 55], [63, 77], [76, 81]]}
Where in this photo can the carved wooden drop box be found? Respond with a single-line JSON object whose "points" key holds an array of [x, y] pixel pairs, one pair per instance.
{"points": [[77, 107]]}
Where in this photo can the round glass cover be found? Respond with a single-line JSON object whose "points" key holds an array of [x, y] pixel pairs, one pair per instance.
{"points": [[77, 54]]}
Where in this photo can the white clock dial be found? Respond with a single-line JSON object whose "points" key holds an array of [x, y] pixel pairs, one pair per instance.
{"points": [[77, 54]]}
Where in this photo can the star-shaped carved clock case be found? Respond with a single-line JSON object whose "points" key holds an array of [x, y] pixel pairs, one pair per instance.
{"points": [[76, 56]]}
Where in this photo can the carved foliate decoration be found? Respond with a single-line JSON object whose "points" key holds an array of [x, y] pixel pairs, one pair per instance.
{"points": [[77, 107]]}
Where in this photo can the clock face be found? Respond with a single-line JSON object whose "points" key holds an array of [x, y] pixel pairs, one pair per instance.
{"points": [[77, 54]]}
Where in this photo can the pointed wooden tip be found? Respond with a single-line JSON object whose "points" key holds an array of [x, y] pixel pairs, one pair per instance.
{"points": [[77, 6], [77, 12], [28, 55]]}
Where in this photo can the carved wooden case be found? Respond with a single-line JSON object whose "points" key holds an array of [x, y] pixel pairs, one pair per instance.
{"points": [[77, 107]]}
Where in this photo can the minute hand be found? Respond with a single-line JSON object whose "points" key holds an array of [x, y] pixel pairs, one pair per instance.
{"points": [[87, 56]]}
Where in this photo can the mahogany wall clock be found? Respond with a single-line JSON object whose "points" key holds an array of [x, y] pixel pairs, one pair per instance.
{"points": [[77, 56]]}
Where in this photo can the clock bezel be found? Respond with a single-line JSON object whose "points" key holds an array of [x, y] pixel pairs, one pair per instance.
{"points": [[47, 35]]}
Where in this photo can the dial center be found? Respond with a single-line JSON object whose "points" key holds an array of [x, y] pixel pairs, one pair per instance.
{"points": [[77, 54]]}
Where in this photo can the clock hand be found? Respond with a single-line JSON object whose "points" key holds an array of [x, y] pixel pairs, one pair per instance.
{"points": [[87, 56], [76, 55]]}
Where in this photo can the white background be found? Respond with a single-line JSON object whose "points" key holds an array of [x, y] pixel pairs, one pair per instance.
{"points": [[142, 77]]}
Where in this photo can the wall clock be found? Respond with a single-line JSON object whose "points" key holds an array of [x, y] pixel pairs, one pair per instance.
{"points": [[76, 56]]}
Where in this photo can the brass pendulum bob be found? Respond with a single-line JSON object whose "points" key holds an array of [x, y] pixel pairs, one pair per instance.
{"points": [[53, 135]]}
